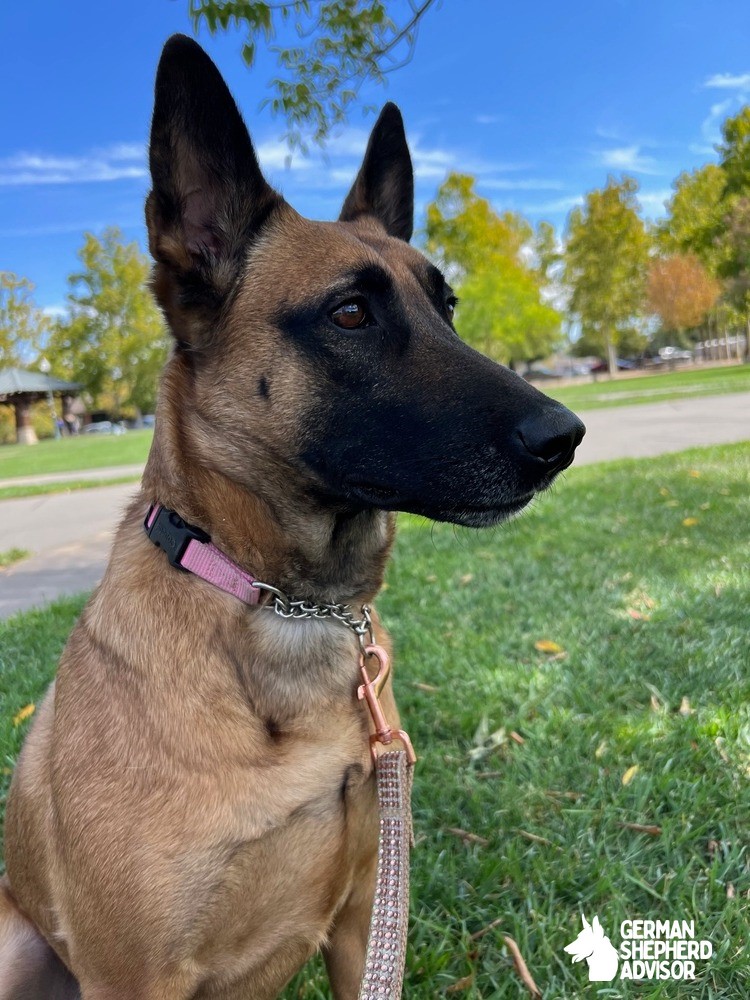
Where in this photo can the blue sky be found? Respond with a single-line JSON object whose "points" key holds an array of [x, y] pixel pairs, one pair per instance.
{"points": [[540, 100]]}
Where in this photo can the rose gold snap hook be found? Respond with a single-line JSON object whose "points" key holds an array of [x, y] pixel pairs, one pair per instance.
{"points": [[369, 691]]}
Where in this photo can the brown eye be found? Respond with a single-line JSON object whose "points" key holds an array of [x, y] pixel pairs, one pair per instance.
{"points": [[350, 315]]}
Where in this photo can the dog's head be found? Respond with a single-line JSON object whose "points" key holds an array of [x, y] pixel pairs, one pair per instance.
{"points": [[326, 351]]}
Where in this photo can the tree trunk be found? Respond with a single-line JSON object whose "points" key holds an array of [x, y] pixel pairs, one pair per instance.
{"points": [[747, 341], [611, 356], [25, 433]]}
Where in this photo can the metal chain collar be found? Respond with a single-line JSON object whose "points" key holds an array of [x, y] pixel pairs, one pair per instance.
{"points": [[288, 608]]}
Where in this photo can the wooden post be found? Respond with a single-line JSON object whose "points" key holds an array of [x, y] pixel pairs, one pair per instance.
{"points": [[25, 433]]}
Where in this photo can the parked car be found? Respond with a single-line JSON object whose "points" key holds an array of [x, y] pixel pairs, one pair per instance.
{"points": [[675, 354], [104, 427], [623, 364]]}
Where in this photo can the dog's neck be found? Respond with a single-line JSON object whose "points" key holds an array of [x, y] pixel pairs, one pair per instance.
{"points": [[286, 538]]}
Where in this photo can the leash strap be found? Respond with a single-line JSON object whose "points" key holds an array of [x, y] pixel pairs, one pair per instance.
{"points": [[386, 944]]}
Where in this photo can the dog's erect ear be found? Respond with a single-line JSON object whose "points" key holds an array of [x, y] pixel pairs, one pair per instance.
{"points": [[209, 197], [384, 186]]}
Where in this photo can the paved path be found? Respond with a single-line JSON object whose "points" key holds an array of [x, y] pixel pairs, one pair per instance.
{"points": [[71, 533]]}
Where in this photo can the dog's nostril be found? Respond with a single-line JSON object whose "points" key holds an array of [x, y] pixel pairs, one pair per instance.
{"points": [[552, 438]]}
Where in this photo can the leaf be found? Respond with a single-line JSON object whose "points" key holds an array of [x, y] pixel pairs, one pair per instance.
{"points": [[694, 474], [685, 708], [548, 646], [466, 578], [427, 688], [522, 969], [689, 522], [25, 712], [664, 491], [638, 615], [601, 749], [467, 836], [650, 828], [630, 774], [461, 984]]}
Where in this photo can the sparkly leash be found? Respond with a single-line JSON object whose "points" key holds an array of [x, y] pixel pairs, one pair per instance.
{"points": [[189, 548], [386, 943]]}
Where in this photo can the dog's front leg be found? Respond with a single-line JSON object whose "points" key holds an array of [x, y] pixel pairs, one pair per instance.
{"points": [[345, 949]]}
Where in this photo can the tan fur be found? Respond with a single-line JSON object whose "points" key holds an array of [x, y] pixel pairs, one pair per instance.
{"points": [[194, 811]]}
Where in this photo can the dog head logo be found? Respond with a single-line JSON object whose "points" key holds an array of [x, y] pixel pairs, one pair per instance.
{"points": [[600, 954]]}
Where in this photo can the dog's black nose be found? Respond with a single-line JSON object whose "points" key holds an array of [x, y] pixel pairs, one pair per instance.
{"points": [[551, 436]]}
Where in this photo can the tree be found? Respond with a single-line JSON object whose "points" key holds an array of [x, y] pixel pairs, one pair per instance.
{"points": [[606, 257], [462, 229], [114, 339], [681, 292], [345, 43], [22, 324], [695, 214], [488, 257], [734, 152]]}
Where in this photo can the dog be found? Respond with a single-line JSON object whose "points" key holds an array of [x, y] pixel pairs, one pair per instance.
{"points": [[194, 814]]}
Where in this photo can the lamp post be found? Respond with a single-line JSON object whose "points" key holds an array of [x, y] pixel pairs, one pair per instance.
{"points": [[44, 368]]}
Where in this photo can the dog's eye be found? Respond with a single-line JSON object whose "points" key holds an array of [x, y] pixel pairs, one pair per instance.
{"points": [[450, 306], [350, 315]]}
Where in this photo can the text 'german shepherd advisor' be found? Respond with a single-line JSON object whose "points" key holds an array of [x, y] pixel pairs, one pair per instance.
{"points": [[194, 812]]}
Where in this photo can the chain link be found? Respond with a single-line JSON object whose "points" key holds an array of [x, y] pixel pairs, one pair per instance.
{"points": [[288, 608]]}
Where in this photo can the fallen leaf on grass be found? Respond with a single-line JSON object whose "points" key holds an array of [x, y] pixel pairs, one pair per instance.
{"points": [[521, 968], [431, 578], [730, 891], [630, 774], [638, 615], [664, 491], [461, 984], [485, 930], [650, 828], [25, 712], [689, 522], [601, 749], [467, 837], [466, 578], [486, 775], [573, 796], [534, 838], [694, 474], [428, 688], [548, 646], [655, 704], [685, 708], [516, 737]]}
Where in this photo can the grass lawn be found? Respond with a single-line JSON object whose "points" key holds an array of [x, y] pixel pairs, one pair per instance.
{"points": [[636, 575], [680, 384], [88, 451], [10, 556], [38, 489]]}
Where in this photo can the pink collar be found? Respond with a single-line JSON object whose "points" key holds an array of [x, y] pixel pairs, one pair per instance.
{"points": [[188, 548]]}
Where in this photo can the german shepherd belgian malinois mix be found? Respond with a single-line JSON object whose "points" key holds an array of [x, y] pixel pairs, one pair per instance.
{"points": [[194, 813]]}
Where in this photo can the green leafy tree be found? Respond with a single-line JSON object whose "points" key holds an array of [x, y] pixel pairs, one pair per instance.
{"points": [[606, 257], [694, 223], [734, 153], [463, 229], [488, 257], [22, 324], [342, 45], [114, 339]]}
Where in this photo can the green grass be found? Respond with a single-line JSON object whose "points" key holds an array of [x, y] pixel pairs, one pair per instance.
{"points": [[38, 489], [87, 451], [668, 691], [680, 384], [13, 555]]}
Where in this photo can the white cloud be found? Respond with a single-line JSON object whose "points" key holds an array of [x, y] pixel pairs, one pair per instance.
{"points": [[728, 81], [487, 119], [628, 158], [711, 125], [654, 202], [523, 184], [118, 162]]}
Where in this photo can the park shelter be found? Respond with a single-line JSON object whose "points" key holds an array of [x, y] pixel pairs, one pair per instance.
{"points": [[21, 388]]}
